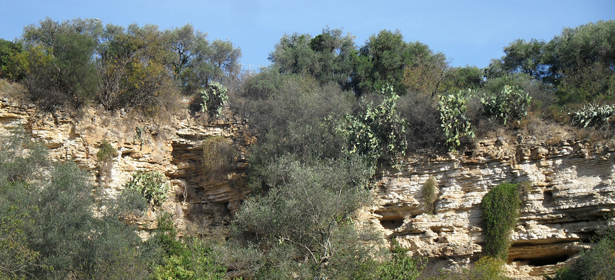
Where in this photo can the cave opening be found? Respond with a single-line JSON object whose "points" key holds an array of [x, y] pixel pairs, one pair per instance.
{"points": [[550, 260], [392, 223]]}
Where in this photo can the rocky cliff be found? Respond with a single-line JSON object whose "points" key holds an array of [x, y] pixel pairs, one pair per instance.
{"points": [[170, 145], [571, 193], [570, 197]]}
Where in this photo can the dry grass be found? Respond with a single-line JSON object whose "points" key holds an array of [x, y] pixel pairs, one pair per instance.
{"points": [[13, 91]]}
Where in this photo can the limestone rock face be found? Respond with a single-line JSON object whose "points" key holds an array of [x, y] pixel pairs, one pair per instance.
{"points": [[571, 183], [570, 193], [171, 146]]}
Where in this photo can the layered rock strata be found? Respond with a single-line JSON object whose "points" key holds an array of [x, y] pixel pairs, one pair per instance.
{"points": [[570, 196], [170, 145]]}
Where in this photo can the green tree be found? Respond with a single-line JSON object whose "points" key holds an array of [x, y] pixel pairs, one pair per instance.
{"points": [[60, 69], [8, 52], [326, 57], [197, 62], [134, 68]]}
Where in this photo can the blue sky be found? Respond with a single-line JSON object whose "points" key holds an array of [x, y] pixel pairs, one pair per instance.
{"points": [[467, 32]]}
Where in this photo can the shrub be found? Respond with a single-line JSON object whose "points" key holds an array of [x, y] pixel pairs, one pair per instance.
{"points": [[486, 268], [421, 115], [500, 212], [430, 194], [379, 132], [595, 263], [190, 258], [105, 154], [453, 116], [218, 154], [106, 151], [401, 266], [151, 185], [213, 99], [509, 104], [592, 115]]}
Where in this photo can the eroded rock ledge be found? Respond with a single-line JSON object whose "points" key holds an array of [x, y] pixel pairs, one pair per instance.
{"points": [[572, 183], [171, 145], [571, 194]]}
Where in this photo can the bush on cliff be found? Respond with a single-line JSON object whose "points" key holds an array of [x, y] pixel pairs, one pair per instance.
{"points": [[500, 212]]}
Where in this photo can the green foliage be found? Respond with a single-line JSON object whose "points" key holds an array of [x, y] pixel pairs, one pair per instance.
{"points": [[133, 66], [106, 151], [60, 69], [382, 61], [48, 229], [9, 51], [430, 194], [379, 132], [422, 118], [214, 99], [191, 258], [586, 82], [151, 185], [305, 214], [596, 263], [326, 57], [401, 266], [509, 104], [454, 118], [292, 119], [196, 62], [592, 115], [500, 213], [579, 62]]}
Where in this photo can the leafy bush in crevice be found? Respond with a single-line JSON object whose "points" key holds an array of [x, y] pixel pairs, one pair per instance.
{"points": [[218, 153], [500, 211], [592, 115], [151, 185], [106, 151], [379, 132], [105, 154], [509, 104], [430, 194], [454, 118]]}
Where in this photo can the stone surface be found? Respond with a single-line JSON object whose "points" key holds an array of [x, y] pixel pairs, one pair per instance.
{"points": [[171, 146], [571, 183], [571, 191]]}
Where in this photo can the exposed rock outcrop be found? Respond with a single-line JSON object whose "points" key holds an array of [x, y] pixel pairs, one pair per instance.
{"points": [[172, 146], [571, 183], [570, 195]]}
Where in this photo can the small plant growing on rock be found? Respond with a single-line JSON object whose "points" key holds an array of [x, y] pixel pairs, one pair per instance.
{"points": [[105, 154], [151, 185], [430, 194], [106, 151], [500, 213]]}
